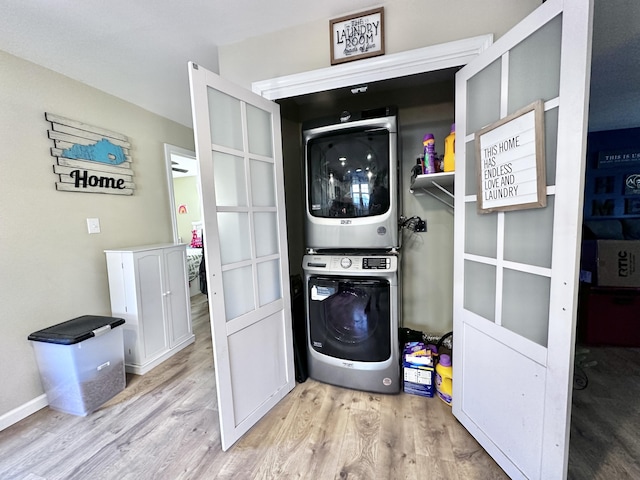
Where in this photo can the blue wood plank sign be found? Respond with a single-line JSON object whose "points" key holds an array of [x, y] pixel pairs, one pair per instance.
{"points": [[90, 159]]}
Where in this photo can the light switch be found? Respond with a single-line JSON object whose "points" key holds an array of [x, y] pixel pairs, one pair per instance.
{"points": [[93, 225]]}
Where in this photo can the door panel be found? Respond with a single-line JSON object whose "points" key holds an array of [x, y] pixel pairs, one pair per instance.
{"points": [[528, 236], [264, 194], [229, 181], [483, 99], [253, 375], [522, 440], [527, 80], [239, 150], [234, 237], [530, 319], [515, 272], [226, 125], [152, 305], [180, 324], [481, 232]]}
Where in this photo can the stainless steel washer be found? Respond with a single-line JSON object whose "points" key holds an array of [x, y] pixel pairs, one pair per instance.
{"points": [[352, 320]]}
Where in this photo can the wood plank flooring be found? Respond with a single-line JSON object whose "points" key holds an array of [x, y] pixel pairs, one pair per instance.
{"points": [[164, 425], [605, 422]]}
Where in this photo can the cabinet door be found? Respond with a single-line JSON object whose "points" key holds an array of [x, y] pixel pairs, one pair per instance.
{"points": [[149, 273], [176, 295]]}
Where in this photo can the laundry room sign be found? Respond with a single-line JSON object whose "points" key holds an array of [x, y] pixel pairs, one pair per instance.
{"points": [[357, 36], [90, 159], [511, 163]]}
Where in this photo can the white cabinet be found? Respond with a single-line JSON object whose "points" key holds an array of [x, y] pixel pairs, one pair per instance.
{"points": [[148, 288]]}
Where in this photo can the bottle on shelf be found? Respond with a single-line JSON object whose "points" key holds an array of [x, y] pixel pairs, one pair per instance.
{"points": [[450, 150], [430, 157]]}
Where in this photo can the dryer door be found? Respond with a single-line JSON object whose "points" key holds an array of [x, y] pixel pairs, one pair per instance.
{"points": [[350, 318]]}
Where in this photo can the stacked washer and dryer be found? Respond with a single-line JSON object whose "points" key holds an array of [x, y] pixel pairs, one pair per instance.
{"points": [[352, 235]]}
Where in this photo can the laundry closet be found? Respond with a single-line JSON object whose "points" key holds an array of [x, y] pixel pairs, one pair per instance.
{"points": [[424, 104]]}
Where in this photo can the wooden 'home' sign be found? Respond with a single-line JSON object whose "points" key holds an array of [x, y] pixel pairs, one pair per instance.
{"points": [[90, 159]]}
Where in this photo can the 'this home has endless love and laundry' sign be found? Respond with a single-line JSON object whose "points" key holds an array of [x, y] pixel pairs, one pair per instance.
{"points": [[90, 159]]}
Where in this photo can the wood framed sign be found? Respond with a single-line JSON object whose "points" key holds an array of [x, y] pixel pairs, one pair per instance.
{"points": [[511, 162], [357, 36]]}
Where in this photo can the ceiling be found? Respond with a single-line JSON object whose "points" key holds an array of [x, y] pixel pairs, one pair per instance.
{"points": [[138, 50]]}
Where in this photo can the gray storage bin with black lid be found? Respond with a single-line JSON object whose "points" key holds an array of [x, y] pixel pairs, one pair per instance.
{"points": [[81, 362]]}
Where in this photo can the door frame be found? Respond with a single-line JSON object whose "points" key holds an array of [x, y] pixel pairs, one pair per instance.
{"points": [[183, 152], [410, 62]]}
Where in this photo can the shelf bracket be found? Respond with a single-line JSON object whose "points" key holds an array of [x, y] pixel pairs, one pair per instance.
{"points": [[441, 198], [432, 184]]}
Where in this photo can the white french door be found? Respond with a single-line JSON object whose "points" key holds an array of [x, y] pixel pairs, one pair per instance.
{"points": [[239, 150], [515, 272]]}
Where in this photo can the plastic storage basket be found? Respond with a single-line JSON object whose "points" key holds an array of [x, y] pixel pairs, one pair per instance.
{"points": [[81, 362]]}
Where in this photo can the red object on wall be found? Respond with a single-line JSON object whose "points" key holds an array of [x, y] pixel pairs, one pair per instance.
{"points": [[611, 316]]}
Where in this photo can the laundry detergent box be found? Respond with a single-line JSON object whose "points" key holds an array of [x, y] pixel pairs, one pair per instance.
{"points": [[418, 369]]}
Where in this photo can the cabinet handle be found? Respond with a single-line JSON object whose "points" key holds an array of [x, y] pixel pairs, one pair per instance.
{"points": [[166, 293]]}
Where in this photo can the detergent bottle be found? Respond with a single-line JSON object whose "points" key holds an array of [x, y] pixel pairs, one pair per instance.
{"points": [[429, 146], [444, 378], [450, 150]]}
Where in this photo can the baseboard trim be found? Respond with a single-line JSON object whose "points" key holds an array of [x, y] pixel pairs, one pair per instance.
{"points": [[142, 369], [23, 411]]}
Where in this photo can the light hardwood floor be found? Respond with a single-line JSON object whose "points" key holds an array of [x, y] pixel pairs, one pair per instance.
{"points": [[164, 426], [605, 422]]}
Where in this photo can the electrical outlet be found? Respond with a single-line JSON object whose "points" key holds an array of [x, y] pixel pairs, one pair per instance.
{"points": [[93, 225], [421, 226]]}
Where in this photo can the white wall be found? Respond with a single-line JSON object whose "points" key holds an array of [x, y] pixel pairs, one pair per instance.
{"points": [[51, 269], [409, 24], [427, 258], [185, 191]]}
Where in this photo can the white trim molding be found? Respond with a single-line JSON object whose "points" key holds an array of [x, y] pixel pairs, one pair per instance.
{"points": [[410, 62], [23, 411]]}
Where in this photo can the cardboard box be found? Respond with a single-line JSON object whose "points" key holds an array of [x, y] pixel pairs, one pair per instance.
{"points": [[618, 263], [418, 370]]}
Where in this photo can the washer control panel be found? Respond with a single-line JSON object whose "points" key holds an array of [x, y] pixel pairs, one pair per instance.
{"points": [[359, 263], [376, 263], [351, 263]]}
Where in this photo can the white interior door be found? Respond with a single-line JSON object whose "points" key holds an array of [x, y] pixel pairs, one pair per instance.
{"points": [[239, 149], [516, 272]]}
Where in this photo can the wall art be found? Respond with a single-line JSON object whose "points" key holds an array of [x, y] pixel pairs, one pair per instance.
{"points": [[90, 159]]}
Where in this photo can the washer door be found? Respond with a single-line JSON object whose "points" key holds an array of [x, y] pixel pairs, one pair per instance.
{"points": [[350, 318]]}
